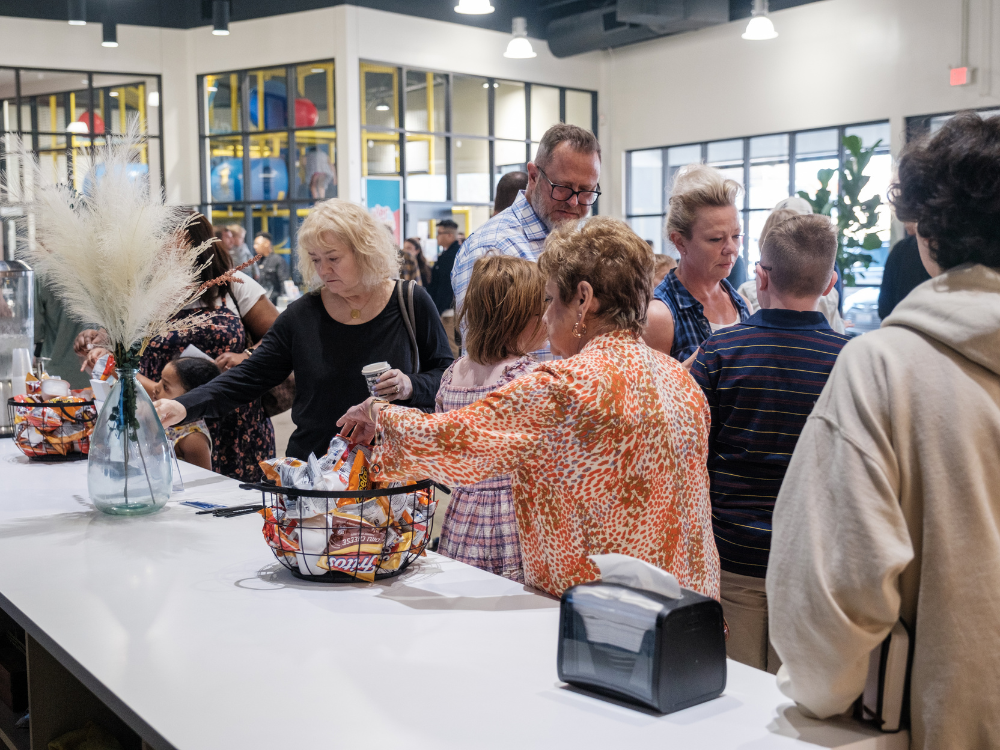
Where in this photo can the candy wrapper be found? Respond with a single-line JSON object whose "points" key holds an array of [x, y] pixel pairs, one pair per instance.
{"points": [[104, 368], [56, 427], [356, 536]]}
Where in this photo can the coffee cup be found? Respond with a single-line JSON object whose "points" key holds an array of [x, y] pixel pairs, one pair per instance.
{"points": [[373, 372]]}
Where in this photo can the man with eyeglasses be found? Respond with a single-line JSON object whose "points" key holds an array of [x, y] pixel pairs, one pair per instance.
{"points": [[562, 186]]}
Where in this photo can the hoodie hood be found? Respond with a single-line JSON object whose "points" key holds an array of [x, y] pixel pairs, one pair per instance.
{"points": [[961, 309]]}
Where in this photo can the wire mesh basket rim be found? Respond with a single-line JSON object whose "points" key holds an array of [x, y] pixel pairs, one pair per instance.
{"points": [[293, 492], [83, 418]]}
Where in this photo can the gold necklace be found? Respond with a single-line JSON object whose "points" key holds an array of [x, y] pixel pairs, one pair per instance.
{"points": [[356, 314]]}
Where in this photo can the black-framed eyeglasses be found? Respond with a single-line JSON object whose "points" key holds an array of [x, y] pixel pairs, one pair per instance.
{"points": [[564, 192], [766, 268]]}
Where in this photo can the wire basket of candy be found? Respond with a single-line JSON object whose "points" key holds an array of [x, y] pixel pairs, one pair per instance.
{"points": [[326, 520], [56, 429]]}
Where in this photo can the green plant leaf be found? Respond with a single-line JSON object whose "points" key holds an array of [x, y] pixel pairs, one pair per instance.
{"points": [[871, 242]]}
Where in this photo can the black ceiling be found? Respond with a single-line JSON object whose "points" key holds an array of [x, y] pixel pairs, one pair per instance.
{"points": [[187, 14]]}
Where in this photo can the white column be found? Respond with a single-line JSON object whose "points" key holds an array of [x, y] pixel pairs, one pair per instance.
{"points": [[348, 98]]}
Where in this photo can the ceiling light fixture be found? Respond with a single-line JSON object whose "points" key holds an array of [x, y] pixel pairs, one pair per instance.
{"points": [[317, 70], [110, 35], [519, 47], [220, 17], [760, 27], [474, 7], [77, 127], [113, 93], [213, 88], [153, 100], [382, 108], [77, 12]]}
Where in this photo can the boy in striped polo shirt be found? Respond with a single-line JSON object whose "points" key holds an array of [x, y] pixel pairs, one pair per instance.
{"points": [[761, 378]]}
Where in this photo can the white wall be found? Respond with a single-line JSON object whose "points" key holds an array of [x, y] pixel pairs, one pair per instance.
{"points": [[834, 62]]}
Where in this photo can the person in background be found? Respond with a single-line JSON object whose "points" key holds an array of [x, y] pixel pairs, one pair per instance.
{"points": [[562, 186], [761, 378], [460, 237], [695, 300], [738, 276], [55, 337], [507, 190], [320, 175], [351, 318], [503, 313], [828, 304], [239, 251], [606, 447], [903, 272], [192, 442], [662, 265], [890, 509], [413, 265], [273, 268], [440, 286]]}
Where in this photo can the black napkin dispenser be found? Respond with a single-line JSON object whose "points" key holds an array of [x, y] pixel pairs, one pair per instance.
{"points": [[641, 647]]}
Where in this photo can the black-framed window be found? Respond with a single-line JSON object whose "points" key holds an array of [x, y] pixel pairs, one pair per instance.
{"points": [[450, 137], [923, 125], [771, 167], [278, 125], [62, 113]]}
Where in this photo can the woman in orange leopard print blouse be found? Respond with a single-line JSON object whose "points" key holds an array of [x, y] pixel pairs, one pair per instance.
{"points": [[607, 447]]}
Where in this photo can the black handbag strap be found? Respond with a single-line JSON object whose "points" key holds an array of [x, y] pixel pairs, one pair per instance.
{"points": [[409, 318]]}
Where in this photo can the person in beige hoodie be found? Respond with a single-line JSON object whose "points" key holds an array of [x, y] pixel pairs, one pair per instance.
{"points": [[891, 505]]}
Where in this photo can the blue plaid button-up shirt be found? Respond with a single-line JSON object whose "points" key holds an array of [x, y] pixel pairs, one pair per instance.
{"points": [[691, 327], [516, 231]]}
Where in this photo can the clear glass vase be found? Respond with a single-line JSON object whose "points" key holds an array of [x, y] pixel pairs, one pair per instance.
{"points": [[128, 471]]}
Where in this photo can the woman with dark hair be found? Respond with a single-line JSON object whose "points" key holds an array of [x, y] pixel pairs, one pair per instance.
{"points": [[244, 437], [413, 266], [890, 509]]}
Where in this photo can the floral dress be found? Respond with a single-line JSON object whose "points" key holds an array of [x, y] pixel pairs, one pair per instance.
{"points": [[245, 436], [607, 451], [480, 527]]}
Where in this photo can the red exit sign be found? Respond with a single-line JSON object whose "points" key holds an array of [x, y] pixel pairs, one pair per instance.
{"points": [[961, 76]]}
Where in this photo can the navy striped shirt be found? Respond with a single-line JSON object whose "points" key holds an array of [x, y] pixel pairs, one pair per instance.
{"points": [[761, 378]]}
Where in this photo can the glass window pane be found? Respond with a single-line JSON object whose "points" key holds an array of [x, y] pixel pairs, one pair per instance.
{"points": [[806, 172], [753, 230], [509, 111], [721, 152], [469, 109], [768, 184], [119, 98], [380, 105], [580, 108], [680, 156], [650, 228], [472, 171], [870, 134], [816, 143], [268, 167], [769, 147], [152, 155], [54, 165], [646, 182], [879, 172], [544, 110], [225, 158], [509, 156], [273, 219], [8, 100], [314, 98], [316, 164], [425, 100], [268, 96], [380, 154], [426, 168], [222, 103]]}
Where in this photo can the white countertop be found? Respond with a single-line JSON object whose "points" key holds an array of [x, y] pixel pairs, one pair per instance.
{"points": [[189, 629]]}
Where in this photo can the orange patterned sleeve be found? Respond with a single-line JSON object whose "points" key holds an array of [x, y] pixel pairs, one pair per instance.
{"points": [[486, 439]]}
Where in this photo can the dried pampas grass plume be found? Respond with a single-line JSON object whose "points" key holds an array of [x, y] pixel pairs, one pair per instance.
{"points": [[116, 255]]}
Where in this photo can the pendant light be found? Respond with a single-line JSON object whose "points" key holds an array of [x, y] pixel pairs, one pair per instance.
{"points": [[77, 12], [220, 17], [760, 27], [474, 7], [519, 47], [110, 34]]}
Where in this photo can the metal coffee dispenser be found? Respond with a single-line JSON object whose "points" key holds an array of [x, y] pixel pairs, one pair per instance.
{"points": [[17, 326], [637, 636]]}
